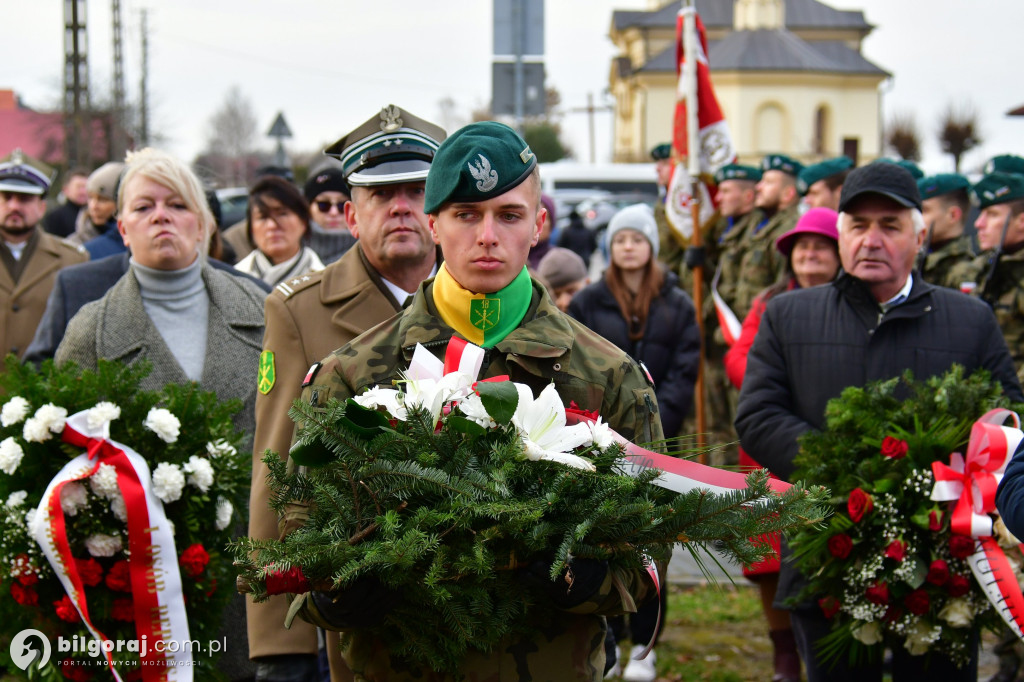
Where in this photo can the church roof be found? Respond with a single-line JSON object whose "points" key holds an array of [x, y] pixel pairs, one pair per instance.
{"points": [[801, 14]]}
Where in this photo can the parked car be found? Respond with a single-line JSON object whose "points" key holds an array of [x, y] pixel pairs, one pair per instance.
{"points": [[597, 212], [234, 202]]}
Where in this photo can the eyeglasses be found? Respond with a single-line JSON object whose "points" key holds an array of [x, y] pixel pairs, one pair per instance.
{"points": [[325, 206]]}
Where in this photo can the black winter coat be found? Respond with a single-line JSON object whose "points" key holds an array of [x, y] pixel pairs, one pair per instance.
{"points": [[669, 349]]}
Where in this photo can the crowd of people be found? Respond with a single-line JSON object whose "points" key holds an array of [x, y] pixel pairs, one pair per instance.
{"points": [[815, 278]]}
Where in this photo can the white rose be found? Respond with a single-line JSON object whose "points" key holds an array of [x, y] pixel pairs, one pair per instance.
{"points": [[16, 499], [220, 447], [224, 511], [103, 413], [163, 423], [958, 613], [73, 497], [168, 481], [200, 472], [118, 508], [920, 637], [868, 633], [10, 455], [103, 545], [14, 410], [104, 481]]}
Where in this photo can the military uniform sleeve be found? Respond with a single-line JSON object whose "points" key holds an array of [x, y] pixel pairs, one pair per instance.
{"points": [[765, 419], [274, 428], [630, 406]]}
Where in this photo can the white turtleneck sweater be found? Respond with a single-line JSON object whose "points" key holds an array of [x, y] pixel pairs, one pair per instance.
{"points": [[177, 303]]}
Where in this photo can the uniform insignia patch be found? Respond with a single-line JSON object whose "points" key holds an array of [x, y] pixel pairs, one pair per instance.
{"points": [[390, 119], [484, 313], [311, 374], [267, 375], [485, 176]]}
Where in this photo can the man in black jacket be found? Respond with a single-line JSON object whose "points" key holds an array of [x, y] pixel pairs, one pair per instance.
{"points": [[874, 322]]}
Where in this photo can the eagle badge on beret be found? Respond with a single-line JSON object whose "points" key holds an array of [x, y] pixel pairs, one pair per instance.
{"points": [[485, 176]]}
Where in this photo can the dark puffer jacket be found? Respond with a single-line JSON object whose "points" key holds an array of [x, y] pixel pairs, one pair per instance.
{"points": [[669, 349]]}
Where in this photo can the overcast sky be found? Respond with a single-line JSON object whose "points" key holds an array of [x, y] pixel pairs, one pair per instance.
{"points": [[329, 65]]}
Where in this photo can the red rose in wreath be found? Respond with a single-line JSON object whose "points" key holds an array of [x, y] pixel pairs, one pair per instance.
{"points": [[90, 571], [840, 545], [66, 610], [917, 602], [829, 606], [878, 593], [958, 585], [935, 520], [894, 448], [961, 546], [194, 559], [859, 504], [938, 573], [897, 550], [25, 596], [119, 579]]}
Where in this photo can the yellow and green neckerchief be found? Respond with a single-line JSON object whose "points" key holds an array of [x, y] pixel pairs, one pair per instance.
{"points": [[483, 319]]}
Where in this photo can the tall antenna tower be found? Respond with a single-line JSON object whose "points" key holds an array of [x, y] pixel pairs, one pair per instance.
{"points": [[76, 84], [118, 134]]}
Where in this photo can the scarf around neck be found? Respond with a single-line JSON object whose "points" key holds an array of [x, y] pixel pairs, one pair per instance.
{"points": [[483, 319]]}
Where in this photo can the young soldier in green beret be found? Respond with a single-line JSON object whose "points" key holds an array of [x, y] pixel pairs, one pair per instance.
{"points": [[821, 184], [483, 205], [948, 254], [670, 249], [777, 197], [1000, 225]]}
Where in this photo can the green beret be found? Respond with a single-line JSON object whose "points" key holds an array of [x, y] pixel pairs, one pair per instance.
{"points": [[662, 151], [998, 188], [782, 163], [1005, 163], [943, 183], [478, 162], [391, 147], [910, 166], [735, 171], [819, 171]]}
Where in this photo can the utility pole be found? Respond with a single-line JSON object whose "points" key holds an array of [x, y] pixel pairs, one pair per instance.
{"points": [[118, 139], [76, 84], [143, 91], [590, 110]]}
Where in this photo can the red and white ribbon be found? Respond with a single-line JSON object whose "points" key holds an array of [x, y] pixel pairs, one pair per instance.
{"points": [[153, 559], [972, 483]]}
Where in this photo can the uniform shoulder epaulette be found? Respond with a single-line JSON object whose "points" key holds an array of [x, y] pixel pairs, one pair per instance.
{"points": [[292, 286]]}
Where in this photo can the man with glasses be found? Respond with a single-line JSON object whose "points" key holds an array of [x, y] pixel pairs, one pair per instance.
{"points": [[327, 193], [385, 162]]}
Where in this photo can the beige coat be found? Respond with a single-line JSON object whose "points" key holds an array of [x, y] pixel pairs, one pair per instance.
{"points": [[22, 303], [307, 318]]}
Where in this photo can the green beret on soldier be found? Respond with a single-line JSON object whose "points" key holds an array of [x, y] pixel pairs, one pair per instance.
{"points": [[820, 184], [947, 255], [483, 204]]}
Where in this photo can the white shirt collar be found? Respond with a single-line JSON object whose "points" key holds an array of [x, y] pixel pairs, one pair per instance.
{"points": [[901, 295], [400, 294]]}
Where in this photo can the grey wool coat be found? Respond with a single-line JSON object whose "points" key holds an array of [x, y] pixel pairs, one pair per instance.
{"points": [[116, 327]]}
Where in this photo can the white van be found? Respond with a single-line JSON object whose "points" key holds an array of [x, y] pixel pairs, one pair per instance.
{"points": [[615, 178]]}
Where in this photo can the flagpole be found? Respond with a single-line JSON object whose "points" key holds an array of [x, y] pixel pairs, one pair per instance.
{"points": [[689, 14]]}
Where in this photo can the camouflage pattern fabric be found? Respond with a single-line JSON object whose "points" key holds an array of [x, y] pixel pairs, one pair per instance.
{"points": [[951, 264], [670, 250], [547, 346], [732, 246], [762, 265], [1004, 291]]}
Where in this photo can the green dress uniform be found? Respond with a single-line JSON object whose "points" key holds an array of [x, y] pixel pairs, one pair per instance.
{"points": [[951, 264], [547, 346]]}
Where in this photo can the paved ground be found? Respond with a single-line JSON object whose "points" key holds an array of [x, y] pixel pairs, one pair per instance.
{"points": [[685, 570]]}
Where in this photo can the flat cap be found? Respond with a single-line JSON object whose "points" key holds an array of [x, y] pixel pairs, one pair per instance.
{"points": [[23, 175], [662, 151], [781, 162], [560, 267], [478, 162], [820, 171], [1005, 163], [735, 171], [887, 179], [998, 188], [943, 183], [392, 147]]}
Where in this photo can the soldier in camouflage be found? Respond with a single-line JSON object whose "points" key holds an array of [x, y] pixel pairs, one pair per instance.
{"points": [[762, 265], [670, 250], [483, 198], [1000, 226], [947, 256], [821, 184]]}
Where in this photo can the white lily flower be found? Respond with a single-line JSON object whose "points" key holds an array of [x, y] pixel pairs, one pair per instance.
{"points": [[473, 409], [601, 433], [541, 424], [432, 394], [387, 398]]}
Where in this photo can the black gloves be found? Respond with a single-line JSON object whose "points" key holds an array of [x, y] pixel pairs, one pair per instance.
{"points": [[364, 604], [581, 581], [694, 257], [286, 668]]}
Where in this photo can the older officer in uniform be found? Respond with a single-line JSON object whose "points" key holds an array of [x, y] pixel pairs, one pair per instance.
{"points": [[778, 198], [483, 198], [31, 257], [385, 162], [821, 183], [947, 255]]}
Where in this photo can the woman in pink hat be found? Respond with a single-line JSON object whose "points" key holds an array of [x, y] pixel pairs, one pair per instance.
{"points": [[812, 258]]}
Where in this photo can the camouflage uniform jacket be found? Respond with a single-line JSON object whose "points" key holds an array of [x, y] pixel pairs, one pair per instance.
{"points": [[951, 264], [762, 265], [730, 246], [1004, 291], [547, 346], [670, 250]]}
